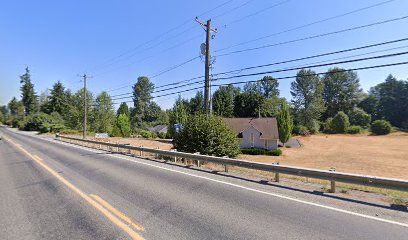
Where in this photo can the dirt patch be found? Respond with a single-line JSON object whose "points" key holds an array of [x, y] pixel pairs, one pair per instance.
{"points": [[164, 144], [385, 156]]}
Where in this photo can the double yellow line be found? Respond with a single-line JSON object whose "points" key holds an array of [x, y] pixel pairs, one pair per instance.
{"points": [[114, 215]]}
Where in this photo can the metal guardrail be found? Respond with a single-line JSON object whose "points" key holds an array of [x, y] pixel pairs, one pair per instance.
{"points": [[332, 176]]}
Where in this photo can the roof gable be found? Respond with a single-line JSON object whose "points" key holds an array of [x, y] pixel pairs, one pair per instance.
{"points": [[268, 127]]}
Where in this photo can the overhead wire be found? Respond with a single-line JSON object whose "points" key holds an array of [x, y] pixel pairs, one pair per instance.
{"points": [[285, 61], [307, 25], [285, 70], [282, 78], [315, 36], [131, 51]]}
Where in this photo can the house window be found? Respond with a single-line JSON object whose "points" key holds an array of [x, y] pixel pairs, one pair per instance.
{"points": [[266, 144], [252, 140]]}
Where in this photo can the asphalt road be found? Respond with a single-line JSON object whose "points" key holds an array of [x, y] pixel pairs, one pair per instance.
{"points": [[165, 202]]}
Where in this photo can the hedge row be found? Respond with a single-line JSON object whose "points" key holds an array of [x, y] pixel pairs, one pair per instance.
{"points": [[261, 151]]}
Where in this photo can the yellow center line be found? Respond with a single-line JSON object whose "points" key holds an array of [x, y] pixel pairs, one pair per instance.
{"points": [[117, 212], [96, 205], [37, 158]]}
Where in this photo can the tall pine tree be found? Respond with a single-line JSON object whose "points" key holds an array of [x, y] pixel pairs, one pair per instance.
{"points": [[28, 96]]}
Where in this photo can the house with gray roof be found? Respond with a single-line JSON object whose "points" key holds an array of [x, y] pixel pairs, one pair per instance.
{"points": [[158, 129], [255, 132]]}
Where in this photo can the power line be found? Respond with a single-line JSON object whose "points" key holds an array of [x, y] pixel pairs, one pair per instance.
{"points": [[316, 56], [315, 36], [285, 70], [158, 74], [114, 59], [258, 12], [245, 3], [282, 78], [281, 62], [306, 25], [314, 66], [311, 37]]}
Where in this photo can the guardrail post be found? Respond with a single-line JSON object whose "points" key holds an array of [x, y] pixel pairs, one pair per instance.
{"points": [[198, 161], [277, 174], [141, 152], [157, 155], [175, 157], [226, 168], [332, 183]]}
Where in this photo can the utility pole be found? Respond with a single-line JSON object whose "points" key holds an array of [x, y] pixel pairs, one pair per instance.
{"points": [[208, 29], [85, 110]]}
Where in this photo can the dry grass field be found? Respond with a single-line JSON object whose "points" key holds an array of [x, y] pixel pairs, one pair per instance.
{"points": [[385, 156]]}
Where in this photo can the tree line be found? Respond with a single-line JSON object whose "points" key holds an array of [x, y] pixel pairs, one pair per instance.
{"points": [[318, 103]]}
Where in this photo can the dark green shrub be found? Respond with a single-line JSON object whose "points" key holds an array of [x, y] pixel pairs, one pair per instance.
{"points": [[360, 118], [276, 152], [146, 134], [340, 123], [313, 126], [354, 130], [380, 127], [208, 135], [301, 130], [162, 135], [253, 151], [327, 125], [261, 151]]}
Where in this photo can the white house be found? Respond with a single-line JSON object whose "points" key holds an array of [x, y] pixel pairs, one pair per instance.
{"points": [[255, 132]]}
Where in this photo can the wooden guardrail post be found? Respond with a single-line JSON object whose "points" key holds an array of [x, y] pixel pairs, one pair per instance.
{"points": [[332, 183]]}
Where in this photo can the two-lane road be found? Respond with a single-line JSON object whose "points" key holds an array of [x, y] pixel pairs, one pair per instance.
{"points": [[67, 192]]}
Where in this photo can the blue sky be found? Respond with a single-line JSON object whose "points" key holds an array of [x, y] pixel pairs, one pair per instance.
{"points": [[117, 41]]}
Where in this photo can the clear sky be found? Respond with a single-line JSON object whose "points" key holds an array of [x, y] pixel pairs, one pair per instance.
{"points": [[117, 41]]}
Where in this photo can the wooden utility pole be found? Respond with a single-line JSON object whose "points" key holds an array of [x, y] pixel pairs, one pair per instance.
{"points": [[208, 29], [85, 77]]}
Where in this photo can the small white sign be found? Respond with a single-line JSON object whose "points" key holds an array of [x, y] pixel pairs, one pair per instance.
{"points": [[101, 135]]}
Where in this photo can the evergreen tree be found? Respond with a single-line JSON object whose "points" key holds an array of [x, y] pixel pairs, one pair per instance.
{"points": [[259, 99], [196, 103], [223, 100], [392, 96], [285, 123], [123, 109], [177, 115], [58, 99], [104, 115], [75, 116], [122, 126], [142, 95], [28, 96], [152, 113], [13, 106]]}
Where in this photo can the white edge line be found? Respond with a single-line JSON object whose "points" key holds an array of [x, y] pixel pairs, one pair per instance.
{"points": [[239, 186]]}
